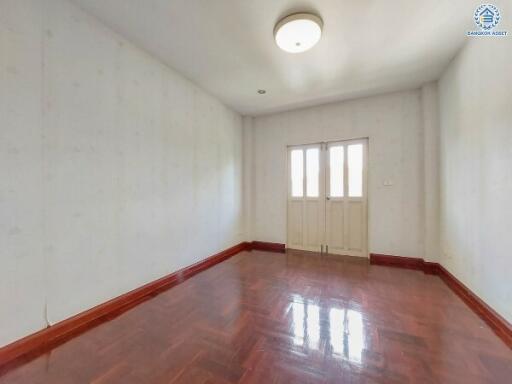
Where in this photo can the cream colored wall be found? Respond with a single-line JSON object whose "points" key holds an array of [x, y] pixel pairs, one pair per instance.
{"points": [[476, 168], [22, 265], [394, 125], [248, 176], [431, 180], [115, 170]]}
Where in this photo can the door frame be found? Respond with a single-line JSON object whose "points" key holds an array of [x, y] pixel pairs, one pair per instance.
{"points": [[305, 199], [366, 169], [346, 200]]}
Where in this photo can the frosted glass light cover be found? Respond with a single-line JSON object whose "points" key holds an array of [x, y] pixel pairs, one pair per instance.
{"points": [[298, 33]]}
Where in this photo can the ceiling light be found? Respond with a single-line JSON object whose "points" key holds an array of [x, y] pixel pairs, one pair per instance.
{"points": [[261, 91], [298, 32]]}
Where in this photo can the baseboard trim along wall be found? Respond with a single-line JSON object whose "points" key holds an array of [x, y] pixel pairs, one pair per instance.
{"points": [[270, 247], [38, 342], [500, 326]]}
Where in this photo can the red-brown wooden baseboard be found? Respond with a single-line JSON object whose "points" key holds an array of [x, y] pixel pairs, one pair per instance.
{"points": [[498, 324], [396, 261], [55, 334], [266, 246]]}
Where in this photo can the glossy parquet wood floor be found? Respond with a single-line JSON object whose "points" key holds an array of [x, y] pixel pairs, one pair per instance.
{"points": [[285, 318]]}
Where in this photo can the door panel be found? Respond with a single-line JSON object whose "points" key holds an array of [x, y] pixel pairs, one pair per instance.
{"points": [[295, 224], [306, 202], [335, 225], [313, 224], [355, 226], [346, 198]]}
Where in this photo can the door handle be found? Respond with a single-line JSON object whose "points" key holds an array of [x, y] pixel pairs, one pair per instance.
{"points": [[327, 198]]}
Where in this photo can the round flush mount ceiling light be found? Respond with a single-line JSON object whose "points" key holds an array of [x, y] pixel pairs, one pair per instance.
{"points": [[298, 32]]}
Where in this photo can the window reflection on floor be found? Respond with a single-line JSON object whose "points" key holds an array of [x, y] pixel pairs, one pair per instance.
{"points": [[313, 326], [354, 337], [344, 329], [337, 330], [299, 323], [346, 333]]}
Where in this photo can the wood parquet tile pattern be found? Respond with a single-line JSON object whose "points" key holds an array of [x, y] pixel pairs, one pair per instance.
{"points": [[263, 317]]}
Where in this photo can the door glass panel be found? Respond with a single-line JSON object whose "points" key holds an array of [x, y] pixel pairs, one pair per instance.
{"points": [[355, 170], [297, 172], [312, 172], [336, 160]]}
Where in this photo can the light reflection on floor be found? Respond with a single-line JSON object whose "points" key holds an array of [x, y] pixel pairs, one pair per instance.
{"points": [[342, 329], [299, 323]]}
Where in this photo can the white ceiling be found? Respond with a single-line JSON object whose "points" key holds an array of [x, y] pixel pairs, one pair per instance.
{"points": [[227, 46]]}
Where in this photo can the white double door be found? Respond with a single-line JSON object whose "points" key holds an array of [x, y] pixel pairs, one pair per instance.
{"points": [[327, 197]]}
